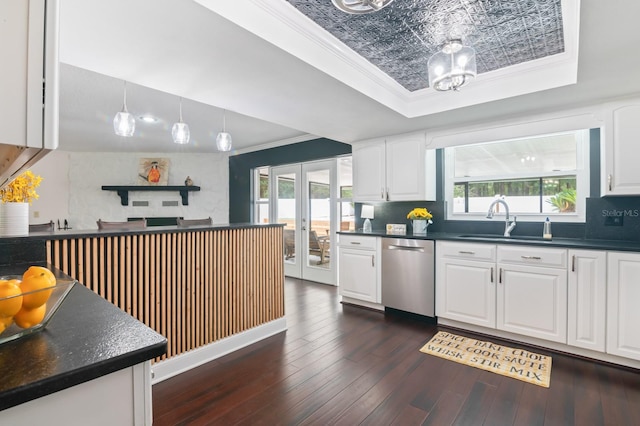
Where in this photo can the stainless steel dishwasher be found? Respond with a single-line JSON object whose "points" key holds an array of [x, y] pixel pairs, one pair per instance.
{"points": [[408, 275]]}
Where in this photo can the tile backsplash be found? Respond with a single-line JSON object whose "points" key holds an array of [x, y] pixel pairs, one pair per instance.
{"points": [[607, 218]]}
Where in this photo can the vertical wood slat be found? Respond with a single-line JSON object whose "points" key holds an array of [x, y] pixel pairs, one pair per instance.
{"points": [[192, 287]]}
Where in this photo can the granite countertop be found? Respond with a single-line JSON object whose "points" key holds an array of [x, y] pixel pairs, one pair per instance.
{"points": [[578, 243], [87, 338]]}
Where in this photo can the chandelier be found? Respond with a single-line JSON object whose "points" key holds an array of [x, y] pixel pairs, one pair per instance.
{"points": [[452, 67], [361, 6]]}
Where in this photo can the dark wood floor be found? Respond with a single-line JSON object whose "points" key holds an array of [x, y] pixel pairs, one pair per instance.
{"points": [[345, 365]]}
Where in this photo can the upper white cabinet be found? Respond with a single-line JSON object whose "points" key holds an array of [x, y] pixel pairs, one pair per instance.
{"points": [[28, 82], [623, 295], [587, 299], [398, 168], [620, 171]]}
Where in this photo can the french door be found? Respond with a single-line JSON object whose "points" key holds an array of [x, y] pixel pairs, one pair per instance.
{"points": [[305, 199]]}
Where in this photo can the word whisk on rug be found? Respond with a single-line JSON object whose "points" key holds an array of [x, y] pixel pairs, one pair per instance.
{"points": [[512, 362]]}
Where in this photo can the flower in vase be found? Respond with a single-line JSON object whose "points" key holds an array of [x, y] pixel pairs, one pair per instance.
{"points": [[419, 214], [22, 189]]}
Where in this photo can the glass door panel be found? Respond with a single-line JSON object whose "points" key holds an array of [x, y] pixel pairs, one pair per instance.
{"points": [[286, 192]]}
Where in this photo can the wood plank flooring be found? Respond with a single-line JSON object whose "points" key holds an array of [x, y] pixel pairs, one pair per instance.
{"points": [[344, 365]]}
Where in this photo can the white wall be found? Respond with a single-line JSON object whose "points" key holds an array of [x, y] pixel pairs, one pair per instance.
{"points": [[72, 183]]}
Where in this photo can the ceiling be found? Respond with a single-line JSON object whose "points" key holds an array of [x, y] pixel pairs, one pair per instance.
{"points": [[282, 78]]}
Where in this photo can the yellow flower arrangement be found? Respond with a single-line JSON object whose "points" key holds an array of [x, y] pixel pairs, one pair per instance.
{"points": [[22, 189], [419, 214]]}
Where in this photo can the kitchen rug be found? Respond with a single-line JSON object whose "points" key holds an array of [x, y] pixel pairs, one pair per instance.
{"points": [[512, 362]]}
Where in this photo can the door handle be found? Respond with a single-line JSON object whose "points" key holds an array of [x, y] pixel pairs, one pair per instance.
{"points": [[492, 274], [406, 248], [500, 276], [610, 180], [373, 261], [573, 263], [531, 257]]}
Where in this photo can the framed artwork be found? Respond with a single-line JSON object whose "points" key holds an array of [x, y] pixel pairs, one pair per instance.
{"points": [[153, 171]]}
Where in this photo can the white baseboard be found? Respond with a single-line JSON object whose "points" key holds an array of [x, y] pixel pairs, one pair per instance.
{"points": [[178, 364]]}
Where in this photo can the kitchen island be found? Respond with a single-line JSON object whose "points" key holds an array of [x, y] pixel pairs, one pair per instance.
{"points": [[208, 289], [90, 365]]}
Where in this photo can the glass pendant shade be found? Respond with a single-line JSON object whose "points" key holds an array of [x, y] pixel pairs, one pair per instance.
{"points": [[180, 130], [180, 133], [223, 141], [123, 123], [453, 67]]}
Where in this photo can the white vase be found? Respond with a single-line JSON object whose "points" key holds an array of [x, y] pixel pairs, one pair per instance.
{"points": [[420, 227], [14, 219]]}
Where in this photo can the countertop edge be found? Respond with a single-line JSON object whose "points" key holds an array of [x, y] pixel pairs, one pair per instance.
{"points": [[612, 245]]}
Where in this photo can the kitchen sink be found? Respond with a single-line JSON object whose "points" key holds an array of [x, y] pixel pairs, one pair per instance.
{"points": [[494, 237]]}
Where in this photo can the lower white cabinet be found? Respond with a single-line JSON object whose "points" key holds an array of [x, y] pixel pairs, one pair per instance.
{"points": [[532, 301], [587, 299], [358, 268], [623, 299], [519, 289], [465, 283]]}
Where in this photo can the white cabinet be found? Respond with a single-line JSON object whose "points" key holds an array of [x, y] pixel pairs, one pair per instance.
{"points": [[518, 289], [399, 168], [465, 283], [623, 298], [28, 83], [620, 171], [587, 299], [359, 268]]}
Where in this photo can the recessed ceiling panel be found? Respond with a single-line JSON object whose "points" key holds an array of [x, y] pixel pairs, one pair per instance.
{"points": [[400, 38]]}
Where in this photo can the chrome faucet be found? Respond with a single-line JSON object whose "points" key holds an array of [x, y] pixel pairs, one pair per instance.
{"points": [[508, 227]]}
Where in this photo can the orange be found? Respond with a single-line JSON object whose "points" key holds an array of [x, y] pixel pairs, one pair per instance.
{"points": [[40, 270], [5, 322], [35, 283], [11, 291], [26, 318]]}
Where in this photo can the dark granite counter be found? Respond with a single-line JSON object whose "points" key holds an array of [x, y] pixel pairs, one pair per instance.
{"points": [[576, 243], [87, 338]]}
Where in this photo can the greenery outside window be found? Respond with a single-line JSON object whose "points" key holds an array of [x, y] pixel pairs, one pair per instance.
{"points": [[537, 176]]}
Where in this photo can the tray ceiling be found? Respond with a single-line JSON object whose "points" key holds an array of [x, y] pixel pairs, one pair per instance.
{"points": [[400, 38]]}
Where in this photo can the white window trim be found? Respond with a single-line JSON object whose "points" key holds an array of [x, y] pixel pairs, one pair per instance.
{"points": [[582, 188]]}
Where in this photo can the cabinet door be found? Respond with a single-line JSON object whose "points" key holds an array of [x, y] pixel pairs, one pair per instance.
{"points": [[532, 301], [357, 274], [621, 174], [587, 299], [623, 297], [408, 168], [369, 171], [465, 291]]}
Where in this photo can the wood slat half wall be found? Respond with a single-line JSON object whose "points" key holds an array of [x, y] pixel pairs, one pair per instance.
{"points": [[193, 287]]}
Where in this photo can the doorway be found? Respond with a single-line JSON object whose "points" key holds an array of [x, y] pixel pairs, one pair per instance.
{"points": [[305, 199]]}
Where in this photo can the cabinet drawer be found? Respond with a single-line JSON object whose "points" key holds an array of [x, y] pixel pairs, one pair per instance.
{"points": [[357, 242], [531, 255], [472, 251]]}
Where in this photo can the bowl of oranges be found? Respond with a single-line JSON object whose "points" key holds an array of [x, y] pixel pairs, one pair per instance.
{"points": [[28, 301]]}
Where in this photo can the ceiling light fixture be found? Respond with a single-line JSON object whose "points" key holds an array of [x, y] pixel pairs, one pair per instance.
{"points": [[123, 123], [223, 141], [180, 130], [452, 67], [361, 6]]}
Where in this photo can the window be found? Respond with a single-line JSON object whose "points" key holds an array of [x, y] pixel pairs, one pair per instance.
{"points": [[261, 195], [345, 196], [537, 176]]}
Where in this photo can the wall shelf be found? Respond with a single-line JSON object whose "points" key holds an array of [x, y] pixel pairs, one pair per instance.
{"points": [[123, 191]]}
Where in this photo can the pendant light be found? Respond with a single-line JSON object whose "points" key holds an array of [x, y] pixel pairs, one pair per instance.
{"points": [[123, 123], [452, 67], [180, 130], [223, 141]]}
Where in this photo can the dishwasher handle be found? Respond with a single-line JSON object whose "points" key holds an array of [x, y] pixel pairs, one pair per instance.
{"points": [[406, 248]]}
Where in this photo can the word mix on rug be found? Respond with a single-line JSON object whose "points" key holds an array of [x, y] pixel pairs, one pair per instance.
{"points": [[512, 362]]}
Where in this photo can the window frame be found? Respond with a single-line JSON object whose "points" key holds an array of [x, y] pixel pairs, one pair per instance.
{"points": [[582, 173]]}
